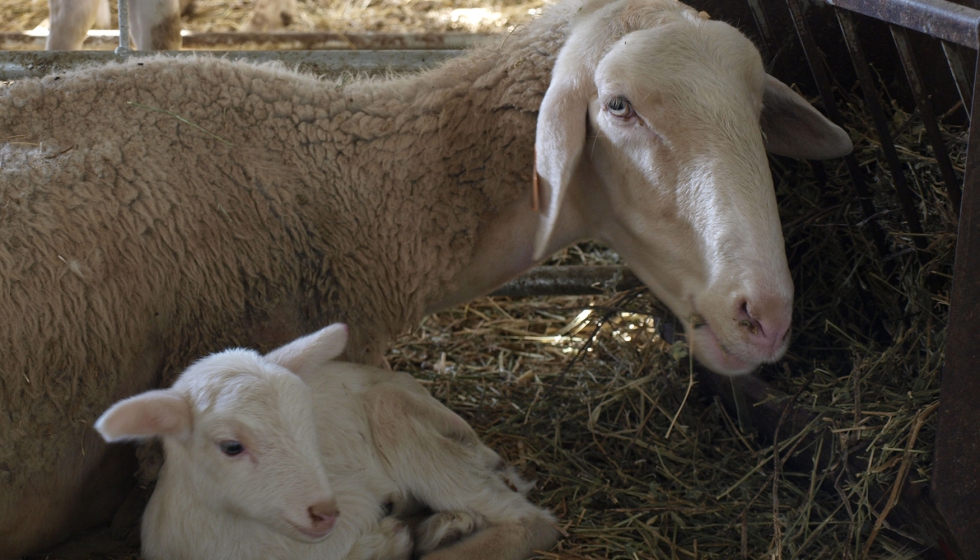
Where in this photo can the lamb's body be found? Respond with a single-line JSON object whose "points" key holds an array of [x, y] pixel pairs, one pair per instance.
{"points": [[293, 456], [132, 241]]}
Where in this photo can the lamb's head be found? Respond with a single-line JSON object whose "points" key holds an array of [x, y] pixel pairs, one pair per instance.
{"points": [[652, 137], [239, 436]]}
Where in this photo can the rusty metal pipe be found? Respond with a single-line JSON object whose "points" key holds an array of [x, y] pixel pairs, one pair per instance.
{"points": [[871, 99], [570, 281], [123, 48], [30, 64], [956, 473], [817, 67], [762, 24], [922, 102], [956, 67], [938, 18], [279, 41]]}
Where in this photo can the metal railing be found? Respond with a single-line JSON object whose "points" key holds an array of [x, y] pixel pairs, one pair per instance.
{"points": [[955, 481]]}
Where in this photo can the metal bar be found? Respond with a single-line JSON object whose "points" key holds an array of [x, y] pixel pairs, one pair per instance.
{"points": [[958, 70], [872, 100], [956, 473], [815, 59], [123, 48], [938, 18], [106, 40], [914, 74], [29, 64], [762, 23], [570, 281]]}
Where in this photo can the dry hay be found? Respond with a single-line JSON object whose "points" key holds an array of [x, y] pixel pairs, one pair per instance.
{"points": [[394, 16]]}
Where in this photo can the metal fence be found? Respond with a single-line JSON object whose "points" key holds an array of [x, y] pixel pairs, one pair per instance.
{"points": [[956, 471]]}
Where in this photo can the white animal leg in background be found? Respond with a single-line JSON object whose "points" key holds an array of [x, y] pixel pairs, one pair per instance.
{"points": [[70, 21], [270, 15], [103, 16], [155, 24]]}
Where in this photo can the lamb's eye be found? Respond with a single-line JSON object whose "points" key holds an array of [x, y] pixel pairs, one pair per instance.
{"points": [[231, 447], [620, 107]]}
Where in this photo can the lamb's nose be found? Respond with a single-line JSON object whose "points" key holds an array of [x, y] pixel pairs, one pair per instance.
{"points": [[323, 516]]}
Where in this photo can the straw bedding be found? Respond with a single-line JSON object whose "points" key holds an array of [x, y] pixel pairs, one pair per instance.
{"points": [[596, 398]]}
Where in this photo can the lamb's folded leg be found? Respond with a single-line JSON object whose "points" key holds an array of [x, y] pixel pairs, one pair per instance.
{"points": [[506, 541], [436, 458], [389, 541], [442, 529]]}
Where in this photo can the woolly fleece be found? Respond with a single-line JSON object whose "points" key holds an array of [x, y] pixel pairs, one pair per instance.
{"points": [[132, 242]]}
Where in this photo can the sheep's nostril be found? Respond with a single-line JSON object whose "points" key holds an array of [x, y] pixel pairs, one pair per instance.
{"points": [[754, 327], [746, 320]]}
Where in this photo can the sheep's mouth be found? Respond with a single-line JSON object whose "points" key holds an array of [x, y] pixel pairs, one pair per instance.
{"points": [[708, 348]]}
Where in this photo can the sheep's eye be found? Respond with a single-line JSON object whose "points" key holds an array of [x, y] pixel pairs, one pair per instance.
{"points": [[231, 447], [620, 107]]}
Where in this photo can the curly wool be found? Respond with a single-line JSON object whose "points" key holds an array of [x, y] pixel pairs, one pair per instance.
{"points": [[160, 209]]}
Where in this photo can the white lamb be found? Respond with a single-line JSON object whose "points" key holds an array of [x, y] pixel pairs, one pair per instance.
{"points": [[292, 455]]}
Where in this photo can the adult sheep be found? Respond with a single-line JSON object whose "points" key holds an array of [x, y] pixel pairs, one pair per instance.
{"points": [[132, 241], [155, 23], [293, 455]]}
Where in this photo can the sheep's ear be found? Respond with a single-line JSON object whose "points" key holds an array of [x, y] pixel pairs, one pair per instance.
{"points": [[160, 413], [792, 127], [307, 354], [558, 145]]}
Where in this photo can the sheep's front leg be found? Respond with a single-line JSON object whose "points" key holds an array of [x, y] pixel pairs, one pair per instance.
{"points": [[389, 541]]}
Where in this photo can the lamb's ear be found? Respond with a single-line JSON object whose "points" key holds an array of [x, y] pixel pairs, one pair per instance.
{"points": [[558, 144], [792, 127], [309, 353], [162, 412]]}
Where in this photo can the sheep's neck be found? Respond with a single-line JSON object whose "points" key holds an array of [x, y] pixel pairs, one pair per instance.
{"points": [[462, 137]]}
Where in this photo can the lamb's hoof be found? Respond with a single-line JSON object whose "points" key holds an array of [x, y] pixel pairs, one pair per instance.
{"points": [[445, 528], [397, 539]]}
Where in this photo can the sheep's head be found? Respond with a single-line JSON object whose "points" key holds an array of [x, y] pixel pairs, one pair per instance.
{"points": [[652, 137], [239, 435]]}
